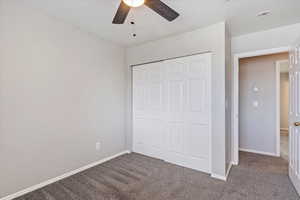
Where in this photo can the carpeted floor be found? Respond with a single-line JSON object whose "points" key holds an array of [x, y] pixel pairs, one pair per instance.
{"points": [[136, 177], [284, 146]]}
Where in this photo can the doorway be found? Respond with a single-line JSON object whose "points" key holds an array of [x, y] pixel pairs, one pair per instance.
{"points": [[257, 94], [259, 104]]}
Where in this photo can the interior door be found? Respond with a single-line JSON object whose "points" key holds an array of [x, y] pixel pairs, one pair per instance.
{"points": [[188, 101], [294, 116]]}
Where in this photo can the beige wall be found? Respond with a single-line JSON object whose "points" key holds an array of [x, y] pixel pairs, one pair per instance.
{"points": [[284, 100], [61, 90], [258, 124]]}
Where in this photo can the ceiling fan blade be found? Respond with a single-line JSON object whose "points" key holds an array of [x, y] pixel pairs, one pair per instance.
{"points": [[162, 9], [121, 14]]}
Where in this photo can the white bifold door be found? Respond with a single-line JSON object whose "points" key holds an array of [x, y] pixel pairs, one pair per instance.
{"points": [[172, 111]]}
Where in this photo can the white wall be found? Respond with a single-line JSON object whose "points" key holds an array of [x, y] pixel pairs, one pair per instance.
{"points": [[273, 38], [228, 93], [211, 39], [284, 100], [257, 126], [61, 90]]}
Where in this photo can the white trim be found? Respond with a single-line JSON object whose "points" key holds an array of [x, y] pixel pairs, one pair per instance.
{"points": [[277, 79], [235, 163], [236, 92], [210, 112], [236, 110], [68, 174], [258, 152], [278, 105], [262, 52], [223, 178], [228, 170]]}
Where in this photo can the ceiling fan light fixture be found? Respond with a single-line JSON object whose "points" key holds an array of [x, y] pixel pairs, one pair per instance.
{"points": [[156, 5], [134, 3]]}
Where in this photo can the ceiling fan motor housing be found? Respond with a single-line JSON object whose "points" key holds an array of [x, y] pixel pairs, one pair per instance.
{"points": [[156, 5]]}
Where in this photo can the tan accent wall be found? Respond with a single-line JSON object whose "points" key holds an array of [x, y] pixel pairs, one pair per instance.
{"points": [[284, 100]]}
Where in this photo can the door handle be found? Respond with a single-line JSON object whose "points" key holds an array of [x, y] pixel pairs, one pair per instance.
{"points": [[297, 123]]}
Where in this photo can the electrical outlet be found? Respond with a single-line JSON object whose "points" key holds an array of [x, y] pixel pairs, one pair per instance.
{"points": [[98, 146]]}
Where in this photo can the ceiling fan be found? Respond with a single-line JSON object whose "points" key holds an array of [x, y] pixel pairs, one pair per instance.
{"points": [[156, 5]]}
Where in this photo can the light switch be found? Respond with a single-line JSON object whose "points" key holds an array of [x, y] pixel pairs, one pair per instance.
{"points": [[255, 89], [255, 104], [98, 146]]}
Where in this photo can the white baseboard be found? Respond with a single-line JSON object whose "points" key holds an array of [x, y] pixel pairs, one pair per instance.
{"points": [[217, 176], [235, 163], [259, 152], [53, 180], [223, 178], [284, 129]]}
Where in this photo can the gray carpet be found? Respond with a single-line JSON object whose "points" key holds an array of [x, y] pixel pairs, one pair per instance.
{"points": [[284, 146], [136, 177]]}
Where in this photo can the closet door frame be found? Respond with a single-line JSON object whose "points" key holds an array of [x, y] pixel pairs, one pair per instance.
{"points": [[209, 57]]}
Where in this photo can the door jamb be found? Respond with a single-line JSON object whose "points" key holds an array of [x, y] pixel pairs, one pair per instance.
{"points": [[235, 102], [278, 104]]}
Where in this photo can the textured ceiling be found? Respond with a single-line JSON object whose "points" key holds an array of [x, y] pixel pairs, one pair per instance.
{"points": [[96, 15]]}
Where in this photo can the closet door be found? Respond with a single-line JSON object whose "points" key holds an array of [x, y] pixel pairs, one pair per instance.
{"points": [[188, 122], [148, 110], [171, 111], [176, 105]]}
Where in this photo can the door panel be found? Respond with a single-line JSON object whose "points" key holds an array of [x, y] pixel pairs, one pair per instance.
{"points": [[294, 116], [176, 137], [171, 113], [197, 138], [148, 122], [188, 100], [176, 97], [297, 88], [197, 95], [176, 87], [197, 113]]}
